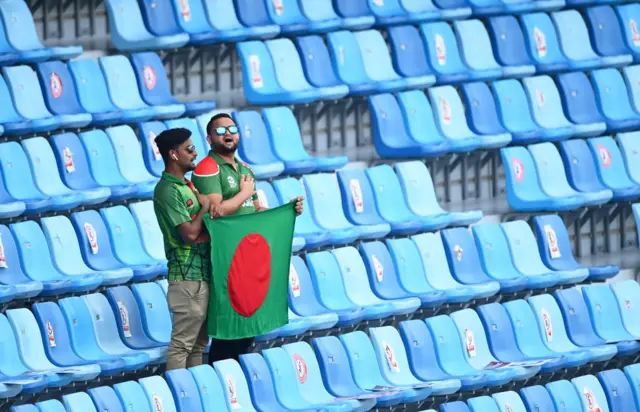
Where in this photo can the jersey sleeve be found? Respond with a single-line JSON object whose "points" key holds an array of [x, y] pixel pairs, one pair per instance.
{"points": [[171, 207], [206, 177]]}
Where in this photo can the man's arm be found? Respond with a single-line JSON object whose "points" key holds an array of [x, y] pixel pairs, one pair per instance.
{"points": [[170, 205], [231, 206], [191, 231]]}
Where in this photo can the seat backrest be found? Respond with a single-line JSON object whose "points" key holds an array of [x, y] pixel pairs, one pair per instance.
{"points": [[234, 383], [64, 245], [551, 325], [463, 256], [19, 25], [327, 281], [209, 388], [253, 13], [418, 188], [554, 243], [191, 16], [154, 310], [387, 192], [153, 82], [391, 355], [132, 396], [121, 82], [78, 402], [592, 396], [325, 200], [449, 112], [105, 399], [545, 102], [29, 339], [147, 133], [126, 22], [389, 129], [266, 195], [302, 296], [129, 154], [284, 133], [8, 113], [123, 233], [217, 8], [59, 89], [481, 109], [260, 382], [354, 275], [537, 398], [629, 17], [383, 277], [254, 138], [409, 52], [605, 315], [473, 338], [128, 317], [580, 166], [420, 350], [151, 234], [609, 162], [159, 18], [347, 58], [418, 117], [25, 91], [29, 408], [104, 322], [520, 174], [510, 401], [316, 61], [523, 247], [309, 377], [482, 404], [12, 365], [43, 165], [605, 32], [493, 249], [259, 74], [11, 272], [285, 12], [102, 158], [572, 32], [94, 241], [500, 334], [158, 394], [289, 188], [550, 169], [576, 317], [475, 44], [81, 328], [355, 8], [184, 390], [315, 10], [632, 80], [434, 260], [442, 48], [54, 333], [375, 55], [287, 64], [617, 390], [564, 396], [17, 173], [542, 39], [530, 341], [457, 406], [511, 101], [196, 137], [358, 202], [362, 358], [627, 294], [632, 373], [578, 97], [408, 264], [447, 342], [72, 161], [91, 86], [612, 94], [334, 365], [508, 41]]}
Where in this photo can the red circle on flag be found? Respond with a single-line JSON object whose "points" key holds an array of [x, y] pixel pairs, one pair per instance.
{"points": [[249, 275]]}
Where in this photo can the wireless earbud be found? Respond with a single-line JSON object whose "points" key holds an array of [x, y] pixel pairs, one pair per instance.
{"points": [[174, 157]]}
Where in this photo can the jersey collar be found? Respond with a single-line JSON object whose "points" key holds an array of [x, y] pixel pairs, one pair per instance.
{"points": [[220, 160], [171, 178]]}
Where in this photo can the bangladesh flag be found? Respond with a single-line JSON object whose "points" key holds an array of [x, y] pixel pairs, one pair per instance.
{"points": [[250, 257]]}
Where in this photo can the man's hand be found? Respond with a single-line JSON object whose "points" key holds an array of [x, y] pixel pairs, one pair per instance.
{"points": [[203, 200], [247, 185], [299, 204], [216, 211]]}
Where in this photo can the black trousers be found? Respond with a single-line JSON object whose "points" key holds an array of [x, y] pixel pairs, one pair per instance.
{"points": [[228, 349]]}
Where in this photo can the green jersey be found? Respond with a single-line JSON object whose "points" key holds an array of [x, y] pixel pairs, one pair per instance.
{"points": [[175, 203], [215, 175]]}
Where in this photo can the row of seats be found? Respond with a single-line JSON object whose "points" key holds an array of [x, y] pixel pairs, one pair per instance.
{"points": [[305, 69], [116, 90], [466, 350], [581, 173], [19, 42], [80, 253]]}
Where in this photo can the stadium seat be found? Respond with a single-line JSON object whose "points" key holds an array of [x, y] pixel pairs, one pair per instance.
{"points": [[286, 141], [78, 402], [348, 64], [356, 15], [144, 215], [629, 15], [481, 109], [543, 44], [316, 61], [9, 207], [320, 15], [26, 408], [408, 51], [554, 246], [209, 388], [546, 108], [153, 82], [564, 395], [508, 44], [443, 52], [230, 29], [287, 14], [457, 406], [617, 390], [476, 51], [234, 383], [613, 100], [606, 35], [60, 94], [627, 294], [128, 31], [394, 13], [452, 121], [537, 398], [254, 147], [632, 77], [148, 132], [510, 401], [572, 31], [104, 398], [184, 391], [154, 311], [579, 103], [590, 392], [94, 95], [196, 138], [57, 341], [510, 99], [482, 404], [611, 168], [499, 261], [131, 395], [21, 34], [158, 393]]}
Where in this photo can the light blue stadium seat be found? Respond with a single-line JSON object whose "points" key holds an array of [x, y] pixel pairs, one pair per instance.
{"points": [[394, 12], [20, 185], [627, 294], [632, 77], [94, 97], [123, 89], [577, 320], [338, 375], [356, 15], [591, 394], [543, 44], [509, 45], [449, 9], [147, 133], [481, 109], [499, 262], [78, 402], [613, 100], [153, 82], [391, 356], [15, 283], [546, 108], [629, 15], [288, 16], [209, 388], [144, 215], [555, 248], [457, 406], [286, 141], [30, 345], [617, 389], [57, 341], [316, 61], [443, 53], [129, 33], [510, 98], [537, 398], [476, 50], [606, 34], [104, 167], [37, 263], [27, 408], [234, 384], [320, 15], [196, 137], [154, 311], [131, 396], [105, 398], [439, 275], [230, 29], [510, 401], [254, 147], [60, 94], [564, 396], [65, 250], [579, 103], [611, 168], [482, 404], [13, 123], [184, 391], [9, 207], [21, 34], [408, 51], [632, 372], [571, 32], [192, 18], [452, 121], [158, 393]]}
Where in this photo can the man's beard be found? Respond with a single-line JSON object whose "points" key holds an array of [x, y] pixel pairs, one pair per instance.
{"points": [[222, 149]]}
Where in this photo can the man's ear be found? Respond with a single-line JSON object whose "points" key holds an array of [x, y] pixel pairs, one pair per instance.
{"points": [[210, 140]]}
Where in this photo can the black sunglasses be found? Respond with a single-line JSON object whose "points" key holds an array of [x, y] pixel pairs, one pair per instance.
{"points": [[221, 130]]}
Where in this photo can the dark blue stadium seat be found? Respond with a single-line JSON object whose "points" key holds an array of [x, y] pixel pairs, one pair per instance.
{"points": [[509, 98], [611, 168], [408, 51], [629, 16], [355, 14], [316, 61], [105, 399], [481, 109], [148, 132], [184, 390], [606, 34], [537, 398], [543, 44], [260, 383], [253, 14], [617, 389], [443, 53], [579, 103], [509, 46]]}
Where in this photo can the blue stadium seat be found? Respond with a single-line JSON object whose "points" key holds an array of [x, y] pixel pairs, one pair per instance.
{"points": [[287, 14], [27, 408], [510, 401], [131, 396], [105, 399], [9, 207], [237, 26], [260, 383], [476, 51], [546, 108], [555, 248], [443, 53], [617, 389], [423, 360], [606, 35], [209, 388], [144, 215], [631, 78], [15, 283], [481, 109], [395, 12], [408, 51], [391, 136], [123, 89], [196, 137], [348, 64], [509, 46], [629, 15], [590, 392], [439, 275], [184, 391], [153, 82], [564, 395], [320, 15], [190, 18], [78, 402], [286, 141], [356, 15], [94, 97], [158, 393], [482, 404], [65, 250], [20, 185], [611, 168], [632, 372], [579, 103], [148, 132], [499, 261], [572, 31], [254, 147], [543, 44], [57, 341], [613, 100], [457, 406], [60, 94], [351, 267], [510, 98], [154, 310], [465, 264], [450, 9], [452, 121], [316, 61], [627, 294], [21, 34], [128, 31], [576, 318], [537, 398]]}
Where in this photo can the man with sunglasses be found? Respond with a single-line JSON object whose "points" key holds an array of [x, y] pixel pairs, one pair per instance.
{"points": [[179, 209], [230, 186]]}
